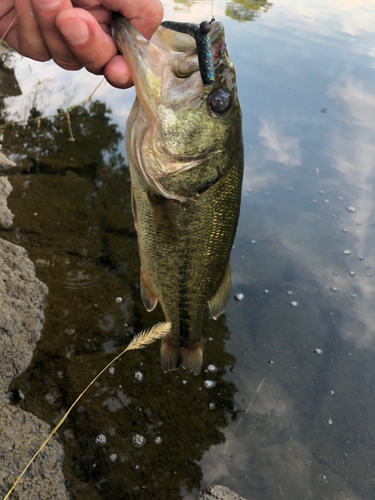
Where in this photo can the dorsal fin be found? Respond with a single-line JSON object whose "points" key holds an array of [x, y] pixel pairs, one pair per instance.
{"points": [[219, 300]]}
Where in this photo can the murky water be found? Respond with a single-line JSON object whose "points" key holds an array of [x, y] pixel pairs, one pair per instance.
{"points": [[284, 407]]}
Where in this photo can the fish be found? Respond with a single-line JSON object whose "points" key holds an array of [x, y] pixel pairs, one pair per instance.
{"points": [[185, 154]]}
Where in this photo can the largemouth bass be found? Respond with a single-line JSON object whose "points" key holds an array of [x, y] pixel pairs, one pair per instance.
{"points": [[185, 154]]}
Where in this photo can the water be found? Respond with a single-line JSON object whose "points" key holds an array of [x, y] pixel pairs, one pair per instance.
{"points": [[299, 426]]}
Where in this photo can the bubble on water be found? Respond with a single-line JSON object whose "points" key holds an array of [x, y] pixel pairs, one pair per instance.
{"points": [[138, 440], [321, 192], [344, 230], [118, 300], [253, 241], [331, 392], [352, 210], [368, 266], [347, 252], [351, 273], [211, 406], [266, 291], [138, 376], [158, 440], [111, 370], [100, 439], [212, 368], [318, 351], [329, 421], [339, 198], [334, 289], [324, 478], [290, 292], [353, 295], [294, 303], [270, 362], [136, 467], [326, 201], [368, 275], [314, 201], [184, 382], [112, 457], [335, 273], [239, 296], [209, 384], [290, 189]]}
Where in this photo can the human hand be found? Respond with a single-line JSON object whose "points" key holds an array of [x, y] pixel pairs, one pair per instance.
{"points": [[76, 33]]}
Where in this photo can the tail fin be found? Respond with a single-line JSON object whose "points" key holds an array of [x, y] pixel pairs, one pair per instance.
{"points": [[174, 355]]}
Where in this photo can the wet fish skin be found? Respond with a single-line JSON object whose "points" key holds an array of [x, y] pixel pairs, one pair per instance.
{"points": [[186, 164]]}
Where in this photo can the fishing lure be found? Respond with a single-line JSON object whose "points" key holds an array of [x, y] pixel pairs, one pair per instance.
{"points": [[202, 39]]}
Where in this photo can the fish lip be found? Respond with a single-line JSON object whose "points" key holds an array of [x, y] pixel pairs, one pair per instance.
{"points": [[146, 57]]}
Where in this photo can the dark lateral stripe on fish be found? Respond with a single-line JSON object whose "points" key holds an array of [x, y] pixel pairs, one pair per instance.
{"points": [[202, 39]]}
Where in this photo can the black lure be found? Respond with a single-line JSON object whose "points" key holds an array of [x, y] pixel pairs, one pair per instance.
{"points": [[202, 38]]}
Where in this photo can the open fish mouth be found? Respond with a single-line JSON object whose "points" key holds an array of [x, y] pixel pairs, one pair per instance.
{"points": [[165, 66]]}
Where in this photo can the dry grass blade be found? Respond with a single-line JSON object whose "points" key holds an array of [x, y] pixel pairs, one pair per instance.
{"points": [[246, 412], [139, 341]]}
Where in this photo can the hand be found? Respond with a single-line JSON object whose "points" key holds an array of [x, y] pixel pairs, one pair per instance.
{"points": [[76, 33]]}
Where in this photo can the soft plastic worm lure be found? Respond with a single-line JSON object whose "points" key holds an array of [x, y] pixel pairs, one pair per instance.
{"points": [[202, 38]]}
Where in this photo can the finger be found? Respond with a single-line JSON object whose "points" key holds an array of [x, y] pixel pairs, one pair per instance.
{"points": [[117, 73], [27, 39], [45, 14], [145, 15], [91, 46]]}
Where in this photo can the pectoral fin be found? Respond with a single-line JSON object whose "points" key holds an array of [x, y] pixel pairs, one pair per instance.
{"points": [[219, 300], [134, 208], [148, 297]]}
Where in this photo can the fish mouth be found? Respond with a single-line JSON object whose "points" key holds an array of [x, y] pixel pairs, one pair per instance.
{"points": [[167, 64]]}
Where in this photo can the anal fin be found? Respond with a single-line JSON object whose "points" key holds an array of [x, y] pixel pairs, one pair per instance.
{"points": [[174, 355], [219, 300], [148, 297]]}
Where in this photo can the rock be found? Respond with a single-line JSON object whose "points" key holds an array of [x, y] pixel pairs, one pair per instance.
{"points": [[21, 321], [5, 162], [218, 492], [6, 216]]}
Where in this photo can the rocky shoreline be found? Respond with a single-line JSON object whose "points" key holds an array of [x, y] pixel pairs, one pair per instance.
{"points": [[21, 320]]}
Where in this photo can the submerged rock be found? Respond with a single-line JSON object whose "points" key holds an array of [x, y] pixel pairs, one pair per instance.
{"points": [[218, 492]]}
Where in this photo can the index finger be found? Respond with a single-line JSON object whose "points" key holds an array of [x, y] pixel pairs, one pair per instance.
{"points": [[144, 15]]}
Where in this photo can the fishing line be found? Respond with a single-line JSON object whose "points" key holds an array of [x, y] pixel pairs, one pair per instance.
{"points": [[202, 39], [9, 27]]}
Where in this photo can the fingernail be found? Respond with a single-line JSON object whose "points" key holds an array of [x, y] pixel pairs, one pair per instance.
{"points": [[75, 31], [48, 4]]}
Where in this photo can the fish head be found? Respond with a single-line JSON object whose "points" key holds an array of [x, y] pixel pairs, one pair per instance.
{"points": [[181, 135]]}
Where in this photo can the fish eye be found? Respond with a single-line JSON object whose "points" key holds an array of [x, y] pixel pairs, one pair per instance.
{"points": [[220, 100]]}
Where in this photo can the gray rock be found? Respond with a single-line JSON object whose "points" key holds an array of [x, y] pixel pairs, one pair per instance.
{"points": [[218, 492], [21, 321], [5, 162], [6, 216]]}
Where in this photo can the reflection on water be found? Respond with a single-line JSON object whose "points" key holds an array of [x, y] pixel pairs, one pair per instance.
{"points": [[247, 10], [289, 411]]}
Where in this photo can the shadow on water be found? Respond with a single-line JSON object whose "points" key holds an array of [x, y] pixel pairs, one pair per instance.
{"points": [[71, 201]]}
